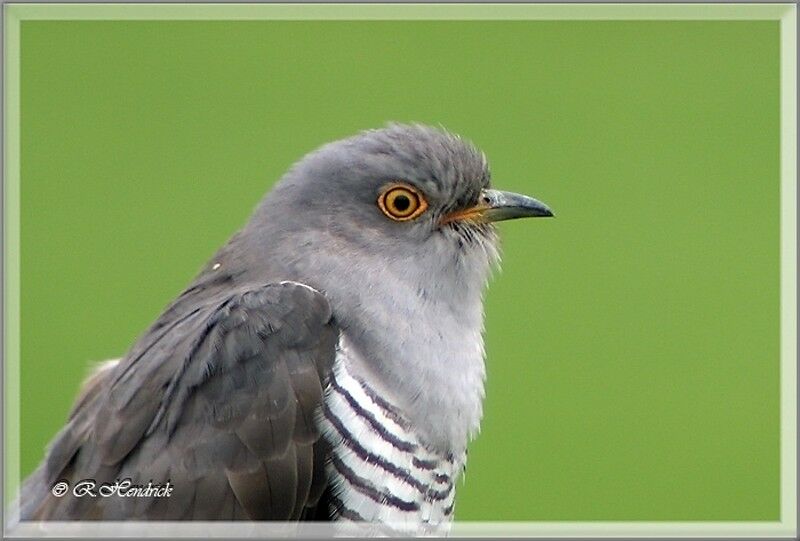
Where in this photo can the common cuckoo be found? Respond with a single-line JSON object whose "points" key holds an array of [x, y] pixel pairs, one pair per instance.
{"points": [[326, 364]]}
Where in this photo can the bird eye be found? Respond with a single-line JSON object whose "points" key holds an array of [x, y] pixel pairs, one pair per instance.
{"points": [[402, 202]]}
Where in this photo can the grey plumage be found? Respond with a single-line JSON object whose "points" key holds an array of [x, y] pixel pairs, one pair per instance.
{"points": [[227, 399], [223, 394]]}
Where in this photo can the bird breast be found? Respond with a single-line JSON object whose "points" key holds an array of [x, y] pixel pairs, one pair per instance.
{"points": [[379, 470]]}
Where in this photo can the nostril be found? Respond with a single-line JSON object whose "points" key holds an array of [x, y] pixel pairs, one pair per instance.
{"points": [[486, 199]]}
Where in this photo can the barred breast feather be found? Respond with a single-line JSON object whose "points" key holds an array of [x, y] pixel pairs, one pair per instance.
{"points": [[378, 469]]}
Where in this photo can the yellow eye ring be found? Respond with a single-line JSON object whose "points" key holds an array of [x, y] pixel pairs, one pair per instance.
{"points": [[402, 202]]}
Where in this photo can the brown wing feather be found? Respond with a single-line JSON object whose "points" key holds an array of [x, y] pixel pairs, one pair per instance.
{"points": [[219, 401]]}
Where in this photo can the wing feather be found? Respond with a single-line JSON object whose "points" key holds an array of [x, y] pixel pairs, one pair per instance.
{"points": [[219, 401]]}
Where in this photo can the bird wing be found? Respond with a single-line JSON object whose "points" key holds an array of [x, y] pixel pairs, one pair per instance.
{"points": [[220, 402]]}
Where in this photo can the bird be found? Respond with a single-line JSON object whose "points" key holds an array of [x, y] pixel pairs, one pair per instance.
{"points": [[326, 364]]}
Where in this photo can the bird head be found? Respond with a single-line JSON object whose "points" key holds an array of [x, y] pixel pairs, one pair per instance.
{"points": [[403, 194], [396, 227]]}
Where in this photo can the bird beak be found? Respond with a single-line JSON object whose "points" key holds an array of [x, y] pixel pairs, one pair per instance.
{"points": [[495, 206]]}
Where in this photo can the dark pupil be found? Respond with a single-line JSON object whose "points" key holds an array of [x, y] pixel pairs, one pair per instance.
{"points": [[402, 203]]}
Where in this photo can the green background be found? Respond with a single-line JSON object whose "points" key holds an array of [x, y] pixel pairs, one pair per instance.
{"points": [[633, 341]]}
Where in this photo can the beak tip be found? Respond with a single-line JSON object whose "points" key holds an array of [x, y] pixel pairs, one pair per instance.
{"points": [[540, 210]]}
